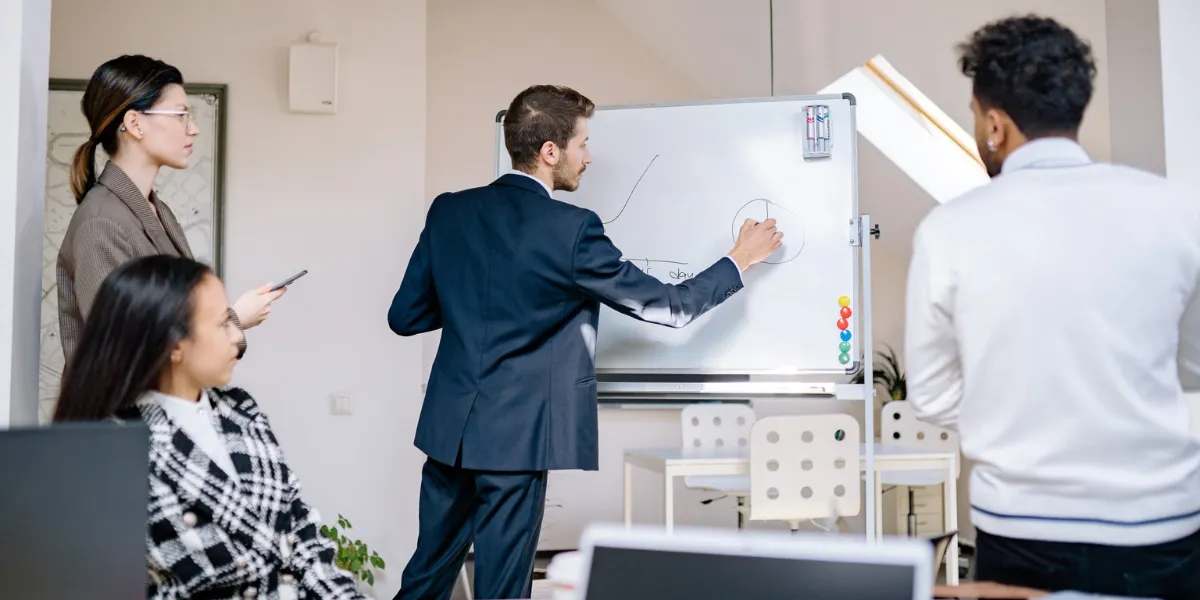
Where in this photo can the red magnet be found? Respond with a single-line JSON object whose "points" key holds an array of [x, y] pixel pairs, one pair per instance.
{"points": [[842, 324], [846, 312]]}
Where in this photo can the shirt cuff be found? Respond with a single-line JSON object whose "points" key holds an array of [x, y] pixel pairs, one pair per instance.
{"points": [[737, 269]]}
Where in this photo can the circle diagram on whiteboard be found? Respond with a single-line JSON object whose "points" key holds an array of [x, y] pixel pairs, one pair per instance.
{"points": [[761, 209]]}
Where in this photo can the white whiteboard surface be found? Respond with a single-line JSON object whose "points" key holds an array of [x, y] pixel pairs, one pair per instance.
{"points": [[673, 184]]}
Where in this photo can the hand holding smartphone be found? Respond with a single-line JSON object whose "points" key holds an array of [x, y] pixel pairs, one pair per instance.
{"points": [[289, 280]]}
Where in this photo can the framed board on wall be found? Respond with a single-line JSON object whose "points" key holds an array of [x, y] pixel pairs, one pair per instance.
{"points": [[195, 195]]}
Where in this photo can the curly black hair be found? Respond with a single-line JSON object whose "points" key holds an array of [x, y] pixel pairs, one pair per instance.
{"points": [[1034, 69]]}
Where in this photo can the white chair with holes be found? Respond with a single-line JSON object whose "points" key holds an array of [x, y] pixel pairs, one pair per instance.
{"points": [[716, 426], [804, 467], [899, 426]]}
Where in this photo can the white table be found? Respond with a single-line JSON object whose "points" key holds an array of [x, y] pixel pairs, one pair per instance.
{"points": [[681, 462]]}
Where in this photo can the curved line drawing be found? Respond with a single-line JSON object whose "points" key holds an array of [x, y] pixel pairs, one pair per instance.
{"points": [[635, 186], [780, 211]]}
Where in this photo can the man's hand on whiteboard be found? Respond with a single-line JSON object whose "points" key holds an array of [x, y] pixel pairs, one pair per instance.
{"points": [[756, 241]]}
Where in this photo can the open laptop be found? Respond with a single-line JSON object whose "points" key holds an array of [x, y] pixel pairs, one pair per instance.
{"points": [[695, 564], [73, 511]]}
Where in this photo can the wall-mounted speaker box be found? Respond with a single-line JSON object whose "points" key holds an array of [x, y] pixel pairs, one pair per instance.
{"points": [[312, 78]]}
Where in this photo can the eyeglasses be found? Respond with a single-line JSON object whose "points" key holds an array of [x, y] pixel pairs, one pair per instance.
{"points": [[185, 116]]}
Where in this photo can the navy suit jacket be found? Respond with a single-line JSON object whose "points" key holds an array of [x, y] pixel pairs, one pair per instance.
{"points": [[514, 279]]}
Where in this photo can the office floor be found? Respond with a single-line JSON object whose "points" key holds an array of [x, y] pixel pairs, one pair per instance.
{"points": [[541, 587]]}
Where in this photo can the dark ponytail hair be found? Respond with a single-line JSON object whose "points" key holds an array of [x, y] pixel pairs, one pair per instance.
{"points": [[122, 84], [143, 309]]}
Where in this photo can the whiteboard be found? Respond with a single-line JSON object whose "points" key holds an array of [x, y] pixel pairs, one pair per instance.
{"points": [[673, 183]]}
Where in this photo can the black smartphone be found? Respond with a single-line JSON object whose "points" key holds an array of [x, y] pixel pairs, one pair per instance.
{"points": [[289, 280]]}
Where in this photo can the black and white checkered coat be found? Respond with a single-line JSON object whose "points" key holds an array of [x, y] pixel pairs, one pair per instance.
{"points": [[213, 537]]}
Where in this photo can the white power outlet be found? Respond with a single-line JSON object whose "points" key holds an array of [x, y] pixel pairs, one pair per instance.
{"points": [[342, 405]]}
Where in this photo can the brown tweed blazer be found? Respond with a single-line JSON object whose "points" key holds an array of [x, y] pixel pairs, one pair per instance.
{"points": [[114, 224]]}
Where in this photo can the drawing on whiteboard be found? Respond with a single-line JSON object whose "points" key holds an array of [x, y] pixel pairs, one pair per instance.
{"points": [[675, 269], [761, 209], [635, 186]]}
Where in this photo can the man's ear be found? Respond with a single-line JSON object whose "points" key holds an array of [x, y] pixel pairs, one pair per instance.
{"points": [[550, 153], [996, 123]]}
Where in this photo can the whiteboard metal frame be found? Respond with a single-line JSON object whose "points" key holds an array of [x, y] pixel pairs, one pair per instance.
{"points": [[667, 393]]}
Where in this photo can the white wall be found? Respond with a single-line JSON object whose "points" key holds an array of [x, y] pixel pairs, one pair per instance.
{"points": [[1179, 20], [341, 196], [1136, 93], [24, 64]]}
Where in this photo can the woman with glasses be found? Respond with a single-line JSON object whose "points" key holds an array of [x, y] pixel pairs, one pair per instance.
{"points": [[225, 516], [138, 112]]}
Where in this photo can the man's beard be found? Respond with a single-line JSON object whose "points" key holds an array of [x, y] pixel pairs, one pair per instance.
{"points": [[563, 180]]}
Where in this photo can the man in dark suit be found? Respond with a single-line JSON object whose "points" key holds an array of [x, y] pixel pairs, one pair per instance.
{"points": [[514, 279]]}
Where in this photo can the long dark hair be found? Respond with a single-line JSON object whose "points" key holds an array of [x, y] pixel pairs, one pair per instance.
{"points": [[143, 309], [122, 84]]}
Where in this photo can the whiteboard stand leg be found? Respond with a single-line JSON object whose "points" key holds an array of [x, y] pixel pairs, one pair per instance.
{"points": [[628, 494], [868, 373], [669, 499]]}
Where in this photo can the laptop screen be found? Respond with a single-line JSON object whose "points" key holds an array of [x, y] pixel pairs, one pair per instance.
{"points": [[641, 574], [73, 511]]}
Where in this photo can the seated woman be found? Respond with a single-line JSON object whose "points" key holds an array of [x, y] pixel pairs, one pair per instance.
{"points": [[225, 515]]}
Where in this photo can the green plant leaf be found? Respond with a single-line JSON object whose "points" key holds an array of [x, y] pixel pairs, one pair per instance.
{"points": [[353, 556]]}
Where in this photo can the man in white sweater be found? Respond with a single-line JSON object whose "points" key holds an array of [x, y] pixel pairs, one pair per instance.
{"points": [[1053, 319]]}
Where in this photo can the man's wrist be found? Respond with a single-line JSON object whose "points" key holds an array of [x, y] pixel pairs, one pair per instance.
{"points": [[739, 259]]}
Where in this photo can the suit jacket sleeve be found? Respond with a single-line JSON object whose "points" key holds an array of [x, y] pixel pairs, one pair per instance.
{"points": [[600, 271], [414, 308], [233, 316], [99, 247]]}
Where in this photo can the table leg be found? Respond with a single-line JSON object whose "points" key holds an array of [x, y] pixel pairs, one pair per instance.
{"points": [[950, 504], [628, 495], [878, 504], [669, 499]]}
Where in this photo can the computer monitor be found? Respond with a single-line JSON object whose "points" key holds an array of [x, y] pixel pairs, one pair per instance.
{"points": [[649, 564], [73, 511]]}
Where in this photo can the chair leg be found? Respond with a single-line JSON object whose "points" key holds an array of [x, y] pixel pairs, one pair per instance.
{"points": [[912, 516], [466, 582], [741, 502]]}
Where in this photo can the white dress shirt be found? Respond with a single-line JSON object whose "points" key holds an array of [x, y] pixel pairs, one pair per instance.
{"points": [[1051, 317], [197, 421], [551, 192]]}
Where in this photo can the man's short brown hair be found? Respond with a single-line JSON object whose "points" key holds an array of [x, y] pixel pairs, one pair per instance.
{"points": [[540, 114]]}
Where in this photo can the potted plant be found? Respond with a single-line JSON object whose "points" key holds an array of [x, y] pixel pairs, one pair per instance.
{"points": [[888, 374], [353, 555]]}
